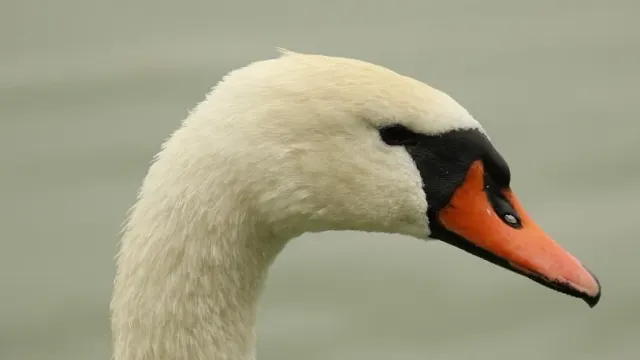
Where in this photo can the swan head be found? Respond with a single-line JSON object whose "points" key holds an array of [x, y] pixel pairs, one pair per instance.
{"points": [[309, 143]]}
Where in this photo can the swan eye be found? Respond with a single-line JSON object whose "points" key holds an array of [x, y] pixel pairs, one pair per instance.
{"points": [[398, 135]]}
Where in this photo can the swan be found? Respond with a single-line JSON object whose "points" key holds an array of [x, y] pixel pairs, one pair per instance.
{"points": [[308, 143]]}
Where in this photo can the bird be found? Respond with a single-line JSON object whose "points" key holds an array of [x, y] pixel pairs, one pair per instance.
{"points": [[306, 143]]}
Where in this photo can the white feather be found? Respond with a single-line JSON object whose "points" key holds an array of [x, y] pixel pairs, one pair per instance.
{"points": [[277, 148]]}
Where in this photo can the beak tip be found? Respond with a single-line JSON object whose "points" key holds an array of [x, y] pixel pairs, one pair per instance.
{"points": [[592, 301]]}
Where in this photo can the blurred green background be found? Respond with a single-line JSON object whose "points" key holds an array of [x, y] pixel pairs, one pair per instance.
{"points": [[89, 89]]}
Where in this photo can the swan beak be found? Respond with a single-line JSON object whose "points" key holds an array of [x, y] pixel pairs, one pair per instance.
{"points": [[474, 226]]}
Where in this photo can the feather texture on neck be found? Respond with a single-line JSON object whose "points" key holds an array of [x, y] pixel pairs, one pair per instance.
{"points": [[190, 269]]}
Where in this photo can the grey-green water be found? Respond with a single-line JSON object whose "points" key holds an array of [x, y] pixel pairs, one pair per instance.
{"points": [[89, 89]]}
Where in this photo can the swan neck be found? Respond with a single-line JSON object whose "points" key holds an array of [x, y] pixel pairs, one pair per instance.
{"points": [[188, 282]]}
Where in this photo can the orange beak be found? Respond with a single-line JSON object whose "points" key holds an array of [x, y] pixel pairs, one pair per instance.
{"points": [[526, 249]]}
